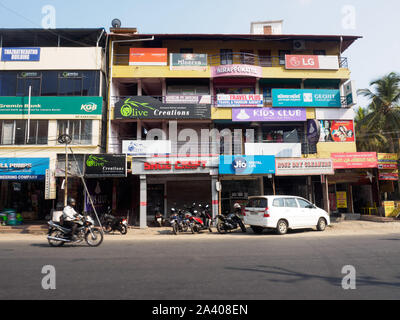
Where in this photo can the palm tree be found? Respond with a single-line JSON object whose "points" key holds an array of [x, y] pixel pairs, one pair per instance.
{"points": [[382, 118]]}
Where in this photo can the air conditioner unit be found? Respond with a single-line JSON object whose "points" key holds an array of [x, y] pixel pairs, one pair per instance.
{"points": [[299, 45]]}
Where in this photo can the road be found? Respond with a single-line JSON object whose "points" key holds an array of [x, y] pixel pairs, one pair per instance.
{"points": [[205, 267]]}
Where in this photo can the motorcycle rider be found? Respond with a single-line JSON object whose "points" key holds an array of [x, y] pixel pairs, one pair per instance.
{"points": [[71, 217]]}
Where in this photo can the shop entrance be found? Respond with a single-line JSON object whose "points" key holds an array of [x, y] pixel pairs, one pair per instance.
{"points": [[155, 200]]}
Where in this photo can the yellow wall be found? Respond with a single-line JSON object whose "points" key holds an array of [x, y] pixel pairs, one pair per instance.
{"points": [[324, 149]]}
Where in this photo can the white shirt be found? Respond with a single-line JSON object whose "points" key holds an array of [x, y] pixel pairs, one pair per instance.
{"points": [[69, 213]]}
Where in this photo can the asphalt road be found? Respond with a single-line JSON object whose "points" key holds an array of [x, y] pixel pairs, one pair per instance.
{"points": [[259, 267]]}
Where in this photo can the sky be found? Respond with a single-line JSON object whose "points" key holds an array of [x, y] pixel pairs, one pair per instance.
{"points": [[371, 57]]}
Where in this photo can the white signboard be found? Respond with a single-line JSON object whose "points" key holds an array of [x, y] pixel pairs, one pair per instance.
{"points": [[350, 92], [303, 167], [140, 148], [334, 114], [188, 99], [279, 150], [240, 100]]}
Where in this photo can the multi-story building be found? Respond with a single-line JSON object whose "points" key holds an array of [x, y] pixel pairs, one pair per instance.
{"points": [[52, 82], [268, 108]]}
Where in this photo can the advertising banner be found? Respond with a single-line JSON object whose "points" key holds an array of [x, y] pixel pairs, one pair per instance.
{"points": [[246, 165], [23, 168], [304, 167], [269, 114], [76, 106], [389, 175], [140, 148], [279, 150], [306, 98], [337, 131], [105, 165], [146, 107], [192, 99], [236, 70], [240, 100], [188, 61], [351, 160], [148, 57], [387, 160], [341, 199], [311, 62], [20, 54]]}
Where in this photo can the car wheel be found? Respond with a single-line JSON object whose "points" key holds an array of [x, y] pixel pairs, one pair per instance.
{"points": [[321, 226], [282, 227], [257, 229]]}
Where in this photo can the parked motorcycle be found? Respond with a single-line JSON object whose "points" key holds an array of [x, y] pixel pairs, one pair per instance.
{"points": [[230, 221], [178, 221], [58, 235], [158, 217], [201, 218], [111, 223]]}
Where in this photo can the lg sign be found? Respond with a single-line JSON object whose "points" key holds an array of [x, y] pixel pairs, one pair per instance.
{"points": [[302, 62]]}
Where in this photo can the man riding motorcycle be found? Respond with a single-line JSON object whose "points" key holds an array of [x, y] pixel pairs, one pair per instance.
{"points": [[71, 217]]}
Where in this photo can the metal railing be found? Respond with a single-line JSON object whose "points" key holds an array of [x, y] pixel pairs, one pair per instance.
{"points": [[236, 58]]}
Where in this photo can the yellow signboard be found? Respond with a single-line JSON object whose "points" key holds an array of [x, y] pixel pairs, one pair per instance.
{"points": [[389, 208], [341, 199]]}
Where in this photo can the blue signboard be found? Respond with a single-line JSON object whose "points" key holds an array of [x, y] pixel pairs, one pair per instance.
{"points": [[246, 165], [306, 98], [20, 54], [23, 168]]}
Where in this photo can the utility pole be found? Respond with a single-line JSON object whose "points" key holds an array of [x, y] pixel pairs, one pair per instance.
{"points": [[65, 139]]}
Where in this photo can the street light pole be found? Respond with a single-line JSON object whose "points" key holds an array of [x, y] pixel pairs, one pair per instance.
{"points": [[65, 138]]}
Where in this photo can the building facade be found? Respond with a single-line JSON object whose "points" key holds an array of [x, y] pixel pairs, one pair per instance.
{"points": [[52, 82], [215, 118]]}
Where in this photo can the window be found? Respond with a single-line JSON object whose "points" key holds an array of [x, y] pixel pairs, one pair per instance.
{"points": [[226, 56], [28, 79], [186, 50], [247, 57], [282, 54], [290, 203], [278, 202], [282, 134], [16, 132], [303, 203], [258, 203], [79, 130], [265, 58]]}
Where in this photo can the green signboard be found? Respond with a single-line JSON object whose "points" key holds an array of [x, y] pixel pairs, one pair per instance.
{"points": [[51, 105]]}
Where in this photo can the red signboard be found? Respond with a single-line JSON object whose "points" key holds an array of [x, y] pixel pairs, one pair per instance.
{"points": [[148, 56], [302, 62], [178, 165], [393, 176], [351, 160]]}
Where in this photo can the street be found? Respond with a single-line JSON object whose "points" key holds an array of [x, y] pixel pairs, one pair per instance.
{"points": [[300, 265]]}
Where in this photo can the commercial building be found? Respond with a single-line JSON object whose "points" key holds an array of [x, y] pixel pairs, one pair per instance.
{"points": [[216, 118], [52, 82]]}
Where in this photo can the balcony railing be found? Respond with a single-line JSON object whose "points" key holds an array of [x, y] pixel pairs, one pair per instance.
{"points": [[235, 58]]}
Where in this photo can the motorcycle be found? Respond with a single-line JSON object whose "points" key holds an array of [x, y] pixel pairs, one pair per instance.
{"points": [[230, 222], [159, 218], [58, 235], [111, 223], [179, 222], [200, 218]]}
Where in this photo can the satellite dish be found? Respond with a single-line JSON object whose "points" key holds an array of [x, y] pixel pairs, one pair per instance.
{"points": [[116, 23]]}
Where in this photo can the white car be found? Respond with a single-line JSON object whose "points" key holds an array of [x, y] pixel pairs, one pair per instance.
{"points": [[283, 213]]}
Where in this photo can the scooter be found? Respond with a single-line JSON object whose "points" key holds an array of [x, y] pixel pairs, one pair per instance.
{"points": [[179, 222], [159, 218]]}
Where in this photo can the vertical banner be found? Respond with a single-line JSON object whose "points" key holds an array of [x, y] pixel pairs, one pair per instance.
{"points": [[341, 199]]}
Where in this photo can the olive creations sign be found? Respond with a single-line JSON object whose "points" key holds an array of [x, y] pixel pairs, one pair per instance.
{"points": [[105, 165], [147, 107]]}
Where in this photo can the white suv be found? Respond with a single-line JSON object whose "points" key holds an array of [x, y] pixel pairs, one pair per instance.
{"points": [[283, 213]]}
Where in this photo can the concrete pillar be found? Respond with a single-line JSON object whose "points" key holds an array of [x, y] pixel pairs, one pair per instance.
{"points": [[139, 87], [143, 202], [214, 196], [139, 130]]}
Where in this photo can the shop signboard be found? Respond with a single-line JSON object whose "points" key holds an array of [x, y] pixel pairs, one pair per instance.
{"points": [[341, 199], [188, 61], [269, 114], [50, 192], [247, 165], [354, 160], [187, 99], [20, 54], [105, 165], [236, 70], [279, 150], [306, 98], [389, 207], [147, 107], [173, 165], [240, 100], [334, 114], [350, 92], [148, 56], [59, 107], [23, 168], [303, 167], [313, 62], [387, 161], [389, 175], [337, 131], [140, 148]]}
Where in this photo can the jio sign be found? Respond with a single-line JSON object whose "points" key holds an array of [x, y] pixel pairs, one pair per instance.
{"points": [[239, 165], [246, 165]]}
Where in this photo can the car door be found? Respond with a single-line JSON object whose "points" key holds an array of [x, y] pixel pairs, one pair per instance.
{"points": [[291, 213], [306, 213]]}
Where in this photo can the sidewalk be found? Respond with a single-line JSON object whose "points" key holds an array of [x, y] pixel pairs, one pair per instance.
{"points": [[343, 228]]}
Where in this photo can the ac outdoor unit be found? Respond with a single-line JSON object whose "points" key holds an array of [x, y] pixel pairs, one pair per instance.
{"points": [[299, 45]]}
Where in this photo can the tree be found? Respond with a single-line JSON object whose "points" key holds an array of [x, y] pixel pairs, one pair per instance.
{"points": [[382, 117]]}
